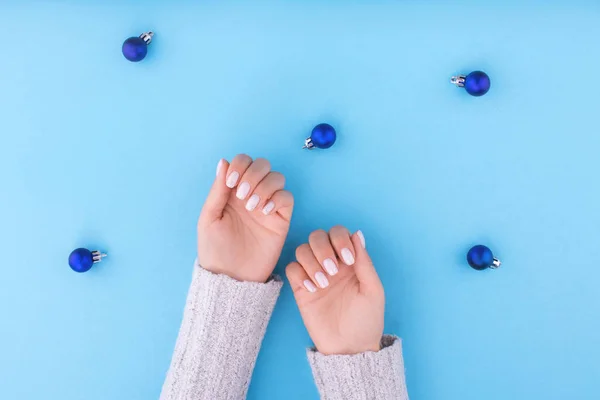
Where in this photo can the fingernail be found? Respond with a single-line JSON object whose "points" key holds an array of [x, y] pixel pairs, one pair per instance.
{"points": [[362, 239], [321, 280], [252, 202], [219, 165], [330, 267], [243, 190], [232, 179], [268, 208], [347, 256], [310, 286]]}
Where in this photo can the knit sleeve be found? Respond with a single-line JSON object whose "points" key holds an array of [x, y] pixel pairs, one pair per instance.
{"points": [[223, 325], [365, 376]]}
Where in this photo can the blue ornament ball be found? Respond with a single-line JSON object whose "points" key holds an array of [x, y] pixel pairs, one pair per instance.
{"points": [[323, 136], [477, 83], [81, 260], [481, 257], [135, 48]]}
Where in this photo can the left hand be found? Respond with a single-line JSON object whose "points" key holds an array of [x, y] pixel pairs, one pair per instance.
{"points": [[338, 292], [241, 231]]}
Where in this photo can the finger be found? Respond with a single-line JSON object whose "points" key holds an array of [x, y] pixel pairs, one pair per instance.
{"points": [[323, 251], [253, 175], [340, 238], [281, 202], [238, 167], [364, 268], [298, 278], [271, 183], [218, 195], [313, 269]]}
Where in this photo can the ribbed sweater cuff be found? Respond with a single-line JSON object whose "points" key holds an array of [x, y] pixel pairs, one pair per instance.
{"points": [[222, 329], [365, 376]]}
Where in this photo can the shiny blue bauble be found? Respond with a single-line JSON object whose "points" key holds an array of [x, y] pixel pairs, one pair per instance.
{"points": [[477, 83], [480, 257], [81, 260], [135, 49], [323, 136]]}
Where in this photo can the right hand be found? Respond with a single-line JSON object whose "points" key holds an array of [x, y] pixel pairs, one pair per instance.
{"points": [[241, 231], [338, 291]]}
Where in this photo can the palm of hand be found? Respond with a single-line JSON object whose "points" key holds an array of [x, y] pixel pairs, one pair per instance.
{"points": [[243, 245], [343, 319]]}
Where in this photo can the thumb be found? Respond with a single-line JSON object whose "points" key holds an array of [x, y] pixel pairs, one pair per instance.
{"points": [[218, 195], [363, 267]]}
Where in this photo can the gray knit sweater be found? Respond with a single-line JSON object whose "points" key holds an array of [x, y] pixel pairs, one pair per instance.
{"points": [[223, 326]]}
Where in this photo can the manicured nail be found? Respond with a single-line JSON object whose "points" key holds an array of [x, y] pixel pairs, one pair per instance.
{"points": [[219, 165], [252, 202], [362, 239], [347, 256], [268, 208], [321, 280], [330, 267], [243, 190], [310, 286], [232, 179]]}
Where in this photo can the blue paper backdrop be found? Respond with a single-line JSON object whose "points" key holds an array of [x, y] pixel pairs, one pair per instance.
{"points": [[99, 152]]}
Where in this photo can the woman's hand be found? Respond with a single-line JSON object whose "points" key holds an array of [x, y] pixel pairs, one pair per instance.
{"points": [[338, 292], [245, 220]]}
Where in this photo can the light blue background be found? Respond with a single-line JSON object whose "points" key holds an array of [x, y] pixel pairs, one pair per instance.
{"points": [[99, 152]]}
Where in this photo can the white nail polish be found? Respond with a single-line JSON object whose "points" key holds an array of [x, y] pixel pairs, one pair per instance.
{"points": [[330, 267], [232, 179], [310, 286], [268, 208], [347, 256], [362, 239], [243, 190], [321, 280], [252, 202], [219, 165]]}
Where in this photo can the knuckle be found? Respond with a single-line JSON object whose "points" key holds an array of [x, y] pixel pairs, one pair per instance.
{"points": [[316, 235], [286, 196], [243, 158], [279, 177], [289, 270], [337, 230], [263, 162], [302, 251]]}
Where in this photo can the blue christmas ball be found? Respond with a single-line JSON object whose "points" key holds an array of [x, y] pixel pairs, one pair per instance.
{"points": [[81, 260], [135, 48], [477, 83], [481, 257], [323, 136]]}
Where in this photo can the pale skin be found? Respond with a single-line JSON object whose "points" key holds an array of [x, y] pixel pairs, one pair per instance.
{"points": [[239, 237], [241, 232], [343, 315]]}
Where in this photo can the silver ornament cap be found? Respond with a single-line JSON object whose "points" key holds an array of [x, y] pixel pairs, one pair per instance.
{"points": [[147, 37]]}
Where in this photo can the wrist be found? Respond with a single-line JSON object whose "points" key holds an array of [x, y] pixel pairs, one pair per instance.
{"points": [[238, 275], [349, 350]]}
